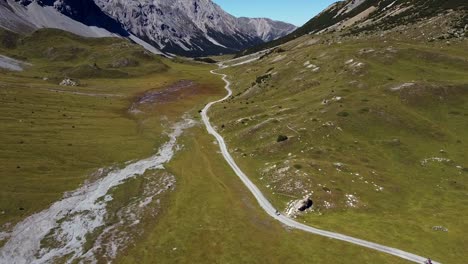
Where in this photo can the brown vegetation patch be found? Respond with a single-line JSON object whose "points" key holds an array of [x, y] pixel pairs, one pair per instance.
{"points": [[423, 94], [175, 92]]}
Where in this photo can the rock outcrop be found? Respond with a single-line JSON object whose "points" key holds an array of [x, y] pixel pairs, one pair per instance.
{"points": [[68, 82], [298, 206]]}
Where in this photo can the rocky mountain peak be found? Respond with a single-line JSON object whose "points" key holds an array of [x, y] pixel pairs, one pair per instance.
{"points": [[195, 27], [183, 27]]}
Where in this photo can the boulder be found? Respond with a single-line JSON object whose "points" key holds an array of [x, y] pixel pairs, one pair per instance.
{"points": [[281, 138], [440, 228], [304, 204], [68, 82]]}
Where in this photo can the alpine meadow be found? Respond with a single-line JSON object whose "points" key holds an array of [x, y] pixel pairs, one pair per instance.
{"points": [[137, 131]]}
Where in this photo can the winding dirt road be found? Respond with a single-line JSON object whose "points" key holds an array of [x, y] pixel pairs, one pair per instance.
{"points": [[268, 207]]}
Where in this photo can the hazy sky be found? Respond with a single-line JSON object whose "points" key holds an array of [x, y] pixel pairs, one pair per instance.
{"points": [[296, 12]]}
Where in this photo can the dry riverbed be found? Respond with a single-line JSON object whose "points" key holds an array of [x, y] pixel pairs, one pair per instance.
{"points": [[62, 230]]}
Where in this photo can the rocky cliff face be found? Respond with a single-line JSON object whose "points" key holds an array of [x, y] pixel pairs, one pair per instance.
{"points": [[83, 17], [183, 27], [192, 27], [86, 12], [265, 28]]}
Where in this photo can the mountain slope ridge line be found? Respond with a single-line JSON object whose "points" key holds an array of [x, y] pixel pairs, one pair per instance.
{"points": [[271, 210], [181, 27]]}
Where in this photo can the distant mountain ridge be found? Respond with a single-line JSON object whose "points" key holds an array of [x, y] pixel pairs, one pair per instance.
{"points": [[183, 27], [186, 27]]}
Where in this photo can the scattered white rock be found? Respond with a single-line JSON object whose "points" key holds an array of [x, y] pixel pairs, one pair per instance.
{"points": [[378, 188], [351, 200], [338, 164], [68, 82], [440, 228], [402, 86], [357, 64], [424, 162], [365, 51], [314, 67], [327, 204]]}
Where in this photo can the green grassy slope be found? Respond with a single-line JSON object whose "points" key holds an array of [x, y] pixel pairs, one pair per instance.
{"points": [[354, 127], [383, 19], [55, 137], [212, 218], [59, 54], [377, 133]]}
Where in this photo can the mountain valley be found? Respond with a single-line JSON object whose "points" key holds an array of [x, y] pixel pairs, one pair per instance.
{"points": [[162, 131]]}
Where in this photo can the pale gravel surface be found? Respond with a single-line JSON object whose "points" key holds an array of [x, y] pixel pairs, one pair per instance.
{"points": [[272, 211], [78, 214], [12, 64], [247, 61]]}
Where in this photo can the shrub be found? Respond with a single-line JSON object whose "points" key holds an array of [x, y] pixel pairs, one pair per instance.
{"points": [[343, 114], [207, 60], [364, 110], [281, 138], [297, 166], [261, 79]]}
